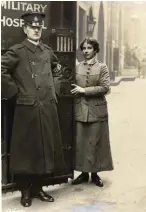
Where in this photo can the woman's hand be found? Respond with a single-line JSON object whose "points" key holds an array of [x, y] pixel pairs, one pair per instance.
{"points": [[77, 89], [58, 66]]}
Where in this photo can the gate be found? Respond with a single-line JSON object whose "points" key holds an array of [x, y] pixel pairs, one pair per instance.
{"points": [[59, 33]]}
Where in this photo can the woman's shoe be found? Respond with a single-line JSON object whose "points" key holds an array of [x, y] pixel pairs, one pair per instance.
{"points": [[96, 180], [82, 178]]}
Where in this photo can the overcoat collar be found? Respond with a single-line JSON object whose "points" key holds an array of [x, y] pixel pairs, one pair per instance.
{"points": [[32, 47]]}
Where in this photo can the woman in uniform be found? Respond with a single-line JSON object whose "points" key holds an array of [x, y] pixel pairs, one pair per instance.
{"points": [[93, 152]]}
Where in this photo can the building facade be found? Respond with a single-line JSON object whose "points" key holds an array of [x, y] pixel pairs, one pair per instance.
{"points": [[135, 28]]}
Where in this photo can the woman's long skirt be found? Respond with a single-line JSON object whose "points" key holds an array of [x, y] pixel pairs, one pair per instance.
{"points": [[93, 152]]}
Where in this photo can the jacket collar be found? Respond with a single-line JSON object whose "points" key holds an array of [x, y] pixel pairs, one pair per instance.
{"points": [[90, 62], [32, 47]]}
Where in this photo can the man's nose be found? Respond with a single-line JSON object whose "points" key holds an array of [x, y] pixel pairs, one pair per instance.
{"points": [[36, 30]]}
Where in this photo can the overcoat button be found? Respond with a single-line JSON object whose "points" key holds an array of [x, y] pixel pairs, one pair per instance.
{"points": [[38, 87], [33, 75], [32, 62]]}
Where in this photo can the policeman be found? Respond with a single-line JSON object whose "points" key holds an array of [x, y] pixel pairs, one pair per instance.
{"points": [[36, 146]]}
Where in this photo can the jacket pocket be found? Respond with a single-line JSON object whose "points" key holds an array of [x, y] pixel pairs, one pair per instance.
{"points": [[100, 102], [25, 100], [101, 108]]}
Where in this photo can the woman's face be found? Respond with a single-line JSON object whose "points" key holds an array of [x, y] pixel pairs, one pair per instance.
{"points": [[88, 51]]}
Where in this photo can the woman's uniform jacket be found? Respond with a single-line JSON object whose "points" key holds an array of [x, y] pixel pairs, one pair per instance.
{"points": [[94, 77]]}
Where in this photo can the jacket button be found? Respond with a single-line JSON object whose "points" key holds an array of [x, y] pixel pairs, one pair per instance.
{"points": [[47, 61], [89, 68], [50, 87], [88, 72], [34, 75], [87, 81], [49, 74], [38, 87], [32, 62]]}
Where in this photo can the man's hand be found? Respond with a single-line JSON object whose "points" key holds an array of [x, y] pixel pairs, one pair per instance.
{"points": [[77, 89]]}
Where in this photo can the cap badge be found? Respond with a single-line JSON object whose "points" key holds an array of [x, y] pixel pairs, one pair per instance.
{"points": [[36, 19]]}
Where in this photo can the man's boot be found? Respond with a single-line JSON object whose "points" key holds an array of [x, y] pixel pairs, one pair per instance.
{"points": [[26, 199]]}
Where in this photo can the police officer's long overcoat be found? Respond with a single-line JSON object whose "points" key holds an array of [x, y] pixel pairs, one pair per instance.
{"points": [[36, 146]]}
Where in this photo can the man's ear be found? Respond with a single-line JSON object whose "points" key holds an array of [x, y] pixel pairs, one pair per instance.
{"points": [[25, 28]]}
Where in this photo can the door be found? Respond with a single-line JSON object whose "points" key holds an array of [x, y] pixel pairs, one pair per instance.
{"points": [[59, 33]]}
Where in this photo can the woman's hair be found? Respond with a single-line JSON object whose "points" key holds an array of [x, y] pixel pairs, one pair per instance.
{"points": [[92, 42]]}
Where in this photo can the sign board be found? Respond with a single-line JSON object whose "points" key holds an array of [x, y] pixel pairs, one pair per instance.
{"points": [[11, 24]]}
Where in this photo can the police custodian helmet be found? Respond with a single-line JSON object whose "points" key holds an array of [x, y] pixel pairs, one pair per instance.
{"points": [[33, 18]]}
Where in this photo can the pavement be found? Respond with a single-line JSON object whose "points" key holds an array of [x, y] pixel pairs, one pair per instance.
{"points": [[125, 187], [126, 75]]}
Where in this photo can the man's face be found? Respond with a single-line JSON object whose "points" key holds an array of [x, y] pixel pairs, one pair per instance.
{"points": [[33, 32], [88, 51]]}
